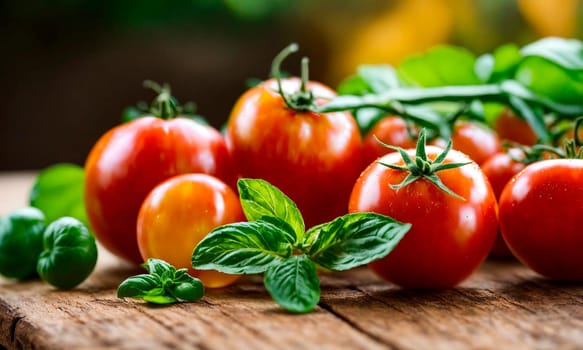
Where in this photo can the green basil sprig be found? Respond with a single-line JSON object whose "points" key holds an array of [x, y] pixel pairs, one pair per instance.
{"points": [[275, 242], [541, 81], [163, 285]]}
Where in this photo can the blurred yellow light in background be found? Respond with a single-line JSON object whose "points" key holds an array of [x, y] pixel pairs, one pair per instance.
{"points": [[551, 18]]}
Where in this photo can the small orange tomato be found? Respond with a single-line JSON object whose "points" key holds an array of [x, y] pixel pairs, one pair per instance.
{"points": [[179, 213]]}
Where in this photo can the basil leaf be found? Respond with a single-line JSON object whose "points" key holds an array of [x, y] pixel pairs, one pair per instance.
{"points": [[379, 78], [287, 230], [567, 53], [242, 248], [294, 284], [354, 85], [506, 59], [191, 290], [259, 198], [58, 191], [484, 67], [354, 239], [440, 66], [161, 299], [136, 286], [159, 268]]}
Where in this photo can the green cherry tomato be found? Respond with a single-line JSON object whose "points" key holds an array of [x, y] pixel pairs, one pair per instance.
{"points": [[69, 255], [21, 242]]}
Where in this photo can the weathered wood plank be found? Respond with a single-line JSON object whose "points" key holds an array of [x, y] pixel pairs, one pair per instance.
{"points": [[503, 305]]}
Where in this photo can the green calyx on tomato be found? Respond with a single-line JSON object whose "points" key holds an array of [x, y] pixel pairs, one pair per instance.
{"points": [[163, 106], [21, 242], [302, 100], [69, 255], [163, 284], [274, 242], [422, 167]]}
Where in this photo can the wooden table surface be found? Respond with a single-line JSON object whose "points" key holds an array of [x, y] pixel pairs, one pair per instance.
{"points": [[502, 306]]}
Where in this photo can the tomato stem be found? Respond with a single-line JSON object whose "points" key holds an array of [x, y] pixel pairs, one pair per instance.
{"points": [[164, 106], [302, 100]]}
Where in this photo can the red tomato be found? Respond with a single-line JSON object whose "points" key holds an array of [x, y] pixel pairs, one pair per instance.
{"points": [[132, 158], [314, 158], [179, 213], [510, 127], [477, 141], [390, 130], [500, 169], [541, 216], [449, 238]]}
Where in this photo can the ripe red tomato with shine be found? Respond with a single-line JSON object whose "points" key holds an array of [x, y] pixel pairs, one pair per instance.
{"points": [[475, 140], [131, 159], [314, 158], [179, 213], [500, 169], [510, 127], [541, 217], [391, 130], [449, 237]]}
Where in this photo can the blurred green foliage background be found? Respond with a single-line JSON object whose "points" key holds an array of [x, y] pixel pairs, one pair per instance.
{"points": [[68, 68]]}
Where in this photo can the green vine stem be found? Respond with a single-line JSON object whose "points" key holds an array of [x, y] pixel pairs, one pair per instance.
{"points": [[302, 100]]}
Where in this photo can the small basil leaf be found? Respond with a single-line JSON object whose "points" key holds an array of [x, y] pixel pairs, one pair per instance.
{"points": [[567, 53], [259, 198], [294, 284], [160, 299], [484, 67], [191, 290], [58, 192], [440, 66], [242, 248], [354, 239], [159, 267], [506, 59], [379, 77], [138, 285], [354, 85]]}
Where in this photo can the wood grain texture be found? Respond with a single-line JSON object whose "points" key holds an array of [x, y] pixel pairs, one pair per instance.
{"points": [[502, 306]]}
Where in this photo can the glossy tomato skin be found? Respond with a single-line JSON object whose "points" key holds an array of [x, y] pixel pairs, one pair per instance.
{"points": [[510, 127], [500, 169], [131, 159], [313, 158], [541, 215], [476, 141], [179, 213], [449, 237], [391, 130]]}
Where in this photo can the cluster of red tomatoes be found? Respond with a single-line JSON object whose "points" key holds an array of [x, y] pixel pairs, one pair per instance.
{"points": [[155, 187]]}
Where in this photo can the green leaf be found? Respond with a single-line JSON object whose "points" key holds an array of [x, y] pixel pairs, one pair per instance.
{"points": [[354, 85], [259, 198], [366, 118], [294, 284], [58, 191], [159, 267], [440, 66], [242, 248], [506, 59], [484, 67], [379, 78], [547, 79], [137, 286], [566, 53], [191, 290], [162, 299], [354, 239]]}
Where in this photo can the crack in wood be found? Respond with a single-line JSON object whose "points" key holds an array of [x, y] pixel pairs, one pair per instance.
{"points": [[330, 309], [12, 330]]}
